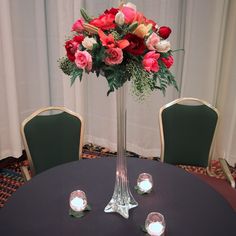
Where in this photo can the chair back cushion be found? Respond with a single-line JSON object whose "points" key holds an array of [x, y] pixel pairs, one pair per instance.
{"points": [[53, 139], [188, 132]]}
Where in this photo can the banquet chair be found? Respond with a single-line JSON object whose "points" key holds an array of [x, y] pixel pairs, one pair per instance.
{"points": [[51, 136], [187, 130]]}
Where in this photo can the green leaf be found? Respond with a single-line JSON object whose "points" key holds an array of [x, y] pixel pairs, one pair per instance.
{"points": [[143, 228], [88, 208], [66, 65], [133, 26], [79, 214], [76, 73], [84, 14], [116, 76], [76, 214]]}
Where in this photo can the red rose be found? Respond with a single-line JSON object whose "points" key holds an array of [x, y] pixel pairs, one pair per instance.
{"points": [[168, 61], [78, 38], [112, 11], [106, 21], [164, 32], [72, 45], [136, 44]]}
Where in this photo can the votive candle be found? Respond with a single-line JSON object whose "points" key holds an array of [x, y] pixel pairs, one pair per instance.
{"points": [[155, 224], [145, 182], [78, 200]]}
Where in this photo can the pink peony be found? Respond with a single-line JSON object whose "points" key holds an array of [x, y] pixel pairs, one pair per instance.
{"points": [[83, 60], [150, 61], [152, 41], [115, 56], [78, 26], [168, 61]]}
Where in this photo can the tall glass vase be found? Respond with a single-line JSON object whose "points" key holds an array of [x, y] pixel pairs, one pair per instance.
{"points": [[122, 199]]}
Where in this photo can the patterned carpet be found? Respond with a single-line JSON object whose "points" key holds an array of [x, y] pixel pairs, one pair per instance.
{"points": [[11, 178]]}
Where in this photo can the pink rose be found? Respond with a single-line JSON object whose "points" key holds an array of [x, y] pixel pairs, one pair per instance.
{"points": [[114, 56], [129, 14], [78, 26], [150, 61], [152, 41], [83, 60], [168, 61]]}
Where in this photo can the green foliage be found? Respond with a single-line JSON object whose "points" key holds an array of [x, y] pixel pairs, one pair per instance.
{"points": [[116, 76], [84, 14], [79, 214], [165, 78], [133, 26], [142, 85], [76, 73], [66, 65], [143, 229], [144, 82], [70, 68], [98, 55]]}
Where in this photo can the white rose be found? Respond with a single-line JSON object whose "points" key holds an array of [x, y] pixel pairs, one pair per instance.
{"points": [[163, 46], [120, 18], [88, 43]]}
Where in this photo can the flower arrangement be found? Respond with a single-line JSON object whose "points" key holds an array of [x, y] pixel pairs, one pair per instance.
{"points": [[122, 45]]}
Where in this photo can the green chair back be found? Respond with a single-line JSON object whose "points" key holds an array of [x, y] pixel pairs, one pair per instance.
{"points": [[187, 132], [53, 139]]}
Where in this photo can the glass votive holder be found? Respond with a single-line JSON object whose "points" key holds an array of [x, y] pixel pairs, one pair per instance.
{"points": [[145, 183], [155, 224], [78, 201]]}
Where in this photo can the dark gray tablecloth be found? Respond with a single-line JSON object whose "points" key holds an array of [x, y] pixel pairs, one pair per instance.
{"points": [[190, 207]]}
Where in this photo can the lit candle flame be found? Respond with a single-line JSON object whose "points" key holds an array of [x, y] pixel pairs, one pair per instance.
{"points": [[155, 229]]}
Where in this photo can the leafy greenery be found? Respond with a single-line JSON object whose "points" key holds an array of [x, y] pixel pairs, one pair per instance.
{"points": [[116, 76], [79, 214]]}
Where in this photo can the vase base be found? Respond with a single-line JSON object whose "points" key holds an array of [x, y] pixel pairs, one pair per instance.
{"points": [[122, 209]]}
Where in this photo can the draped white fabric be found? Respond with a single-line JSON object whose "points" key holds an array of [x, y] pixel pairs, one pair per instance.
{"points": [[31, 41]]}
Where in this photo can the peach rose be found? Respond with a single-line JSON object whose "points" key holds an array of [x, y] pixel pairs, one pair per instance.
{"points": [[83, 60], [142, 30], [115, 56]]}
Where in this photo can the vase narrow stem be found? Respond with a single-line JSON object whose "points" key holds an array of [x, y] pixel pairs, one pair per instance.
{"points": [[122, 199]]}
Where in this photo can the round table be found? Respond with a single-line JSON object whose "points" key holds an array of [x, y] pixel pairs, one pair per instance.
{"points": [[41, 206]]}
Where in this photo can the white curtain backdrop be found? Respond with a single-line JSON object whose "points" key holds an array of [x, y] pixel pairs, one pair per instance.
{"points": [[32, 35]]}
